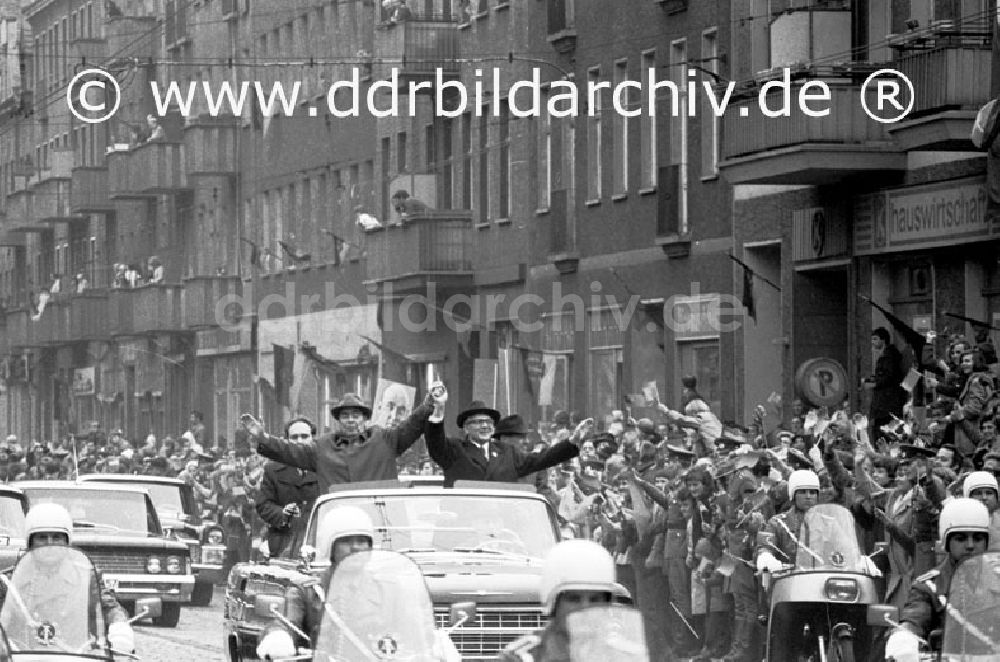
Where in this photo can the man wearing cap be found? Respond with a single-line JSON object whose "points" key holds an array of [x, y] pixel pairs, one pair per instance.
{"points": [[353, 452], [697, 416], [478, 456]]}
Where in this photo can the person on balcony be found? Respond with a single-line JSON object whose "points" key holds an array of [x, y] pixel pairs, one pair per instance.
{"points": [[155, 268], [155, 130], [406, 206]]}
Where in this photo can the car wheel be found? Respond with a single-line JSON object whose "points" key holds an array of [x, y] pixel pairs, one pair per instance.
{"points": [[169, 616], [202, 594]]}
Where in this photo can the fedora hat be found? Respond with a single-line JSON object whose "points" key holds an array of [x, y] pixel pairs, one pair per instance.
{"points": [[478, 407], [351, 401], [511, 426]]}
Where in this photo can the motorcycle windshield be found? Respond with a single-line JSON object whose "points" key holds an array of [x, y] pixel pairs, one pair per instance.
{"points": [[828, 541], [611, 632], [52, 603], [377, 608], [972, 618]]}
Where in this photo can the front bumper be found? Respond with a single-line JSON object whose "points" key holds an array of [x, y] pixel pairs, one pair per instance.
{"points": [[205, 573], [169, 588]]}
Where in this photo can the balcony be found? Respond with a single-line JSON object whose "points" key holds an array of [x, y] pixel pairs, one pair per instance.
{"points": [[947, 80], [147, 309], [800, 149], [149, 169], [434, 247], [210, 147], [89, 191], [54, 326], [20, 330], [89, 315], [203, 295], [416, 49], [21, 208]]}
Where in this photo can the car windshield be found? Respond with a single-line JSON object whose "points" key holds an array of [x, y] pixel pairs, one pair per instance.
{"points": [[487, 524], [11, 517], [828, 540], [166, 498], [108, 512], [971, 629]]}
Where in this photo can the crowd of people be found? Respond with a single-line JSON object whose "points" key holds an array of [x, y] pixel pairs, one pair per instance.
{"points": [[678, 502]]}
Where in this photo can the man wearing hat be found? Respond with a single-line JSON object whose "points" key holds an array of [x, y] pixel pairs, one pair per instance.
{"points": [[478, 456], [353, 452]]}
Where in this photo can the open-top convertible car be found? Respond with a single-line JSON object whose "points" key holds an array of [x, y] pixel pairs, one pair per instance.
{"points": [[117, 528], [13, 508], [475, 542], [178, 512]]}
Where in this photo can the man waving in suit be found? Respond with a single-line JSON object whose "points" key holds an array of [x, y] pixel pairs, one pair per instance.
{"points": [[478, 455]]}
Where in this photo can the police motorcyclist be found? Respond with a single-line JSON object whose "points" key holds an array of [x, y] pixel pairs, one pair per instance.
{"points": [[344, 531], [577, 574], [781, 531], [49, 525], [964, 530], [982, 486]]}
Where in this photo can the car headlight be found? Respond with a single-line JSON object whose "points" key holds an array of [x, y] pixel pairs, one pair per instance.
{"points": [[153, 565], [175, 565], [215, 537]]}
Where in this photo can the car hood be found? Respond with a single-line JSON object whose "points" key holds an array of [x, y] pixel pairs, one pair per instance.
{"points": [[452, 576], [144, 542]]}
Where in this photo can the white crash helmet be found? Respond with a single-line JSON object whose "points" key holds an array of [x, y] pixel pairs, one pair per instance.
{"points": [[977, 480], [48, 518], [963, 515], [580, 565], [342, 522], [802, 479]]}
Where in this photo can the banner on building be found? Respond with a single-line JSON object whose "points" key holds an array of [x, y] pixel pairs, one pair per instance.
{"points": [[393, 403], [83, 381]]}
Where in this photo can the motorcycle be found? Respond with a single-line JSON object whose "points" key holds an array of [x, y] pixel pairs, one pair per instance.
{"points": [[612, 632], [824, 607], [52, 608], [972, 615], [377, 607]]}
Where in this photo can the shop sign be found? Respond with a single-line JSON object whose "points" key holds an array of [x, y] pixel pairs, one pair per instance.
{"points": [[822, 382], [819, 233], [221, 341], [920, 217]]}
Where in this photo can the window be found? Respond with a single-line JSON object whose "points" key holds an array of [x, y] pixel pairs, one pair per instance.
{"points": [[709, 120], [557, 345], [696, 330], [594, 160], [678, 128], [401, 152], [484, 166], [386, 151], [447, 163], [467, 161], [620, 132], [647, 128], [429, 146], [543, 157], [503, 162]]}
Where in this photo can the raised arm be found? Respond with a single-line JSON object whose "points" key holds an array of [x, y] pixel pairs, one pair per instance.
{"points": [[278, 449]]}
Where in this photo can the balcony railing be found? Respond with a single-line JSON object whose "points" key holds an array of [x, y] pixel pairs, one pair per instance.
{"points": [[846, 123], [149, 169], [433, 245], [52, 200], [20, 329], [20, 209], [89, 315], [208, 301], [54, 326], [947, 77], [147, 309], [89, 194], [417, 49], [210, 147]]}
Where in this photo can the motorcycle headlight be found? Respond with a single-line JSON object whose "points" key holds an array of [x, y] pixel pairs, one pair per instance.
{"points": [[841, 590], [215, 537], [153, 565], [174, 565]]}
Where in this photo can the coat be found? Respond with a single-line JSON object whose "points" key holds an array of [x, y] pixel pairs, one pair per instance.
{"points": [[888, 397], [462, 460], [971, 406], [337, 459], [280, 486]]}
